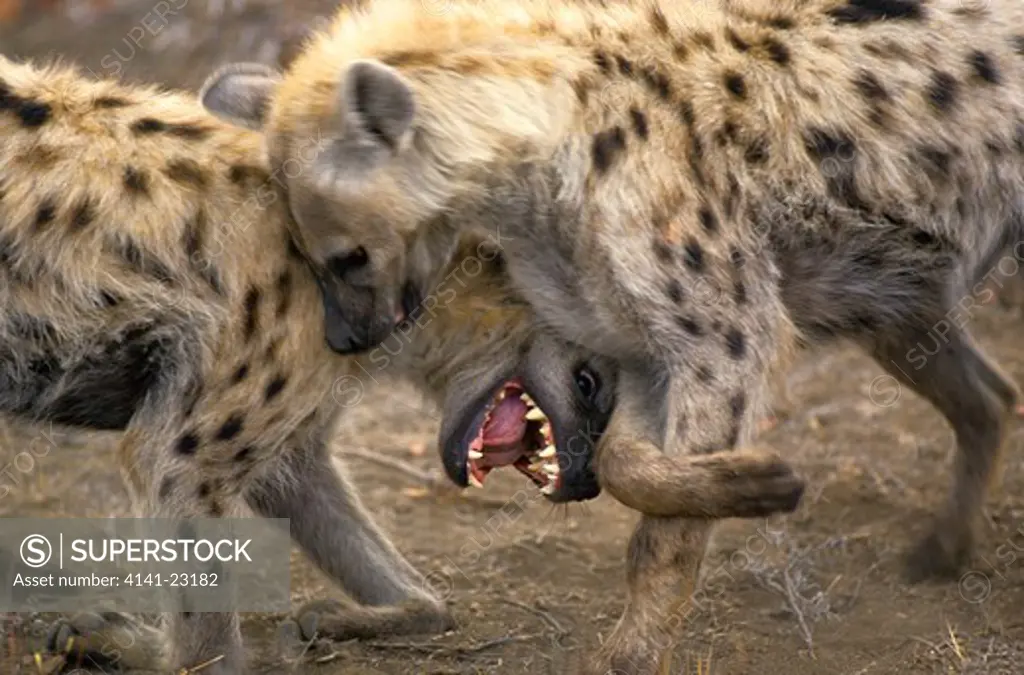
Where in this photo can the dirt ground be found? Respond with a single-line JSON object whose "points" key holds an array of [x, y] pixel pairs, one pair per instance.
{"points": [[532, 587]]}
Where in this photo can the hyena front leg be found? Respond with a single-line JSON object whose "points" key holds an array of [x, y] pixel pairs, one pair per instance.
{"points": [[940, 362], [162, 484], [331, 526]]}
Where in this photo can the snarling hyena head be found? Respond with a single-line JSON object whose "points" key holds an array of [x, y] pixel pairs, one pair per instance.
{"points": [[688, 187], [151, 286]]}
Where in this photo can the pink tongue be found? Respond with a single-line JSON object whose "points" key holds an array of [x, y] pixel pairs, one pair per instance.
{"points": [[506, 425]]}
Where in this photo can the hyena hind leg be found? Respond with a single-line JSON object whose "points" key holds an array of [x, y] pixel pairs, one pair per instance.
{"points": [[331, 526], [977, 399]]}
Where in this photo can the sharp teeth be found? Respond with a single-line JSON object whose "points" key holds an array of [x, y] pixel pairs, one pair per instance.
{"points": [[547, 453], [548, 489], [475, 454], [535, 415], [550, 469], [501, 396], [526, 398], [536, 465], [546, 430], [474, 481]]}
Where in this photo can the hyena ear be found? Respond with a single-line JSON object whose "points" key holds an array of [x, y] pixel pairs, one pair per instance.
{"points": [[240, 93], [378, 102]]}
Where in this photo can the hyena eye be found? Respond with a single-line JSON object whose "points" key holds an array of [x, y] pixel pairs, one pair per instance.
{"points": [[346, 263], [587, 382]]}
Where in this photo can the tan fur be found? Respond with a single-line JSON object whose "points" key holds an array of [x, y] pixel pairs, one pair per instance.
{"points": [[150, 285], [689, 188]]}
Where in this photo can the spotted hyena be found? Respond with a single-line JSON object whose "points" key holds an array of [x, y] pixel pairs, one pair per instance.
{"points": [[151, 286], [691, 188]]}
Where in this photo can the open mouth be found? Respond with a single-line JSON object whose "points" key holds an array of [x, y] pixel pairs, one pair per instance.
{"points": [[514, 432]]}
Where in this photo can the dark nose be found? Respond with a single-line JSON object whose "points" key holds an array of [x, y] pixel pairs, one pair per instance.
{"points": [[341, 338]]}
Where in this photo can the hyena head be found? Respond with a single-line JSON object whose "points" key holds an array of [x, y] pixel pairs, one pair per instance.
{"points": [[403, 135], [543, 414], [359, 191]]}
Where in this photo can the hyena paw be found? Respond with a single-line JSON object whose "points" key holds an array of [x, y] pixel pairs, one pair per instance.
{"points": [[759, 484], [106, 639], [342, 621], [943, 555]]}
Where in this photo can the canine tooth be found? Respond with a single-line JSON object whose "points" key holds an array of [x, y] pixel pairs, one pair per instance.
{"points": [[475, 454], [547, 453], [526, 398], [548, 489], [474, 481], [535, 415]]}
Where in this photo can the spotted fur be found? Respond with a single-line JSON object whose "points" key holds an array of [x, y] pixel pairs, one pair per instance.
{"points": [[862, 158]]}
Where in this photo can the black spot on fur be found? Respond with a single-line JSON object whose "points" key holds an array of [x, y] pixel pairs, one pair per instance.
{"points": [[942, 91], [690, 325], [187, 172], [674, 291], [45, 214], [284, 292], [293, 250], [240, 374], [658, 21], [757, 151], [31, 114], [708, 220], [625, 65], [777, 52], [148, 125], [696, 159], [188, 443], [110, 102], [835, 153], [166, 486], [704, 374], [109, 298], [983, 66], [231, 428], [82, 214], [738, 405], [936, 162], [1018, 44], [657, 82], [639, 123], [136, 181], [869, 87], [145, 264], [736, 41], [864, 11], [735, 84], [704, 39], [736, 257], [661, 251], [693, 255], [247, 176], [243, 454], [274, 388], [252, 307], [602, 62], [735, 343], [606, 147], [204, 490], [739, 292], [686, 113], [732, 195], [781, 22]]}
